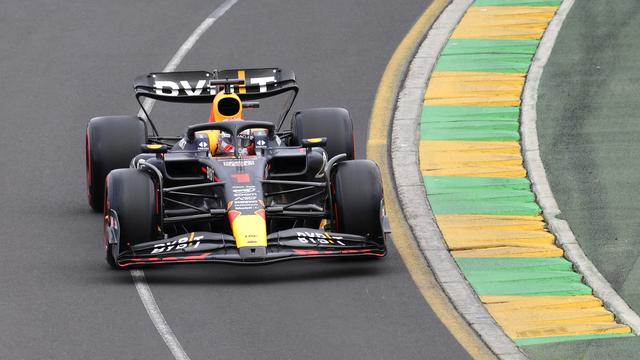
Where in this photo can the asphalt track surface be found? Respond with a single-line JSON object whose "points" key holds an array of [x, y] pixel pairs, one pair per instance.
{"points": [[62, 62]]}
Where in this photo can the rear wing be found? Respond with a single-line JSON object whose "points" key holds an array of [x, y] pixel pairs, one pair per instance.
{"points": [[194, 87]]}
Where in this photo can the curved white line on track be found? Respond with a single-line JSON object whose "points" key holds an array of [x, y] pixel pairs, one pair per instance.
{"points": [[189, 43], [538, 176], [139, 280], [156, 315]]}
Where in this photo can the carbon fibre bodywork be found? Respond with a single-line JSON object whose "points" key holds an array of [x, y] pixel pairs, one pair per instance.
{"points": [[275, 202], [248, 209]]}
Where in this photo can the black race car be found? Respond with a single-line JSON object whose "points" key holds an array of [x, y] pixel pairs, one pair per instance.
{"points": [[232, 190]]}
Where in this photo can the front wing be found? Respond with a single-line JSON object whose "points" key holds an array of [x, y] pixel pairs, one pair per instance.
{"points": [[297, 243]]}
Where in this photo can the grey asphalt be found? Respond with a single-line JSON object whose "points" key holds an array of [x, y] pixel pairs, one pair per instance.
{"points": [[62, 62], [588, 129]]}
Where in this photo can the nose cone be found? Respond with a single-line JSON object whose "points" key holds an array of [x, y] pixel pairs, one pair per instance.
{"points": [[250, 232]]}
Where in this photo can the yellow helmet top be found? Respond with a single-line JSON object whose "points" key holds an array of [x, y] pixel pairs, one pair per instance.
{"points": [[225, 106]]}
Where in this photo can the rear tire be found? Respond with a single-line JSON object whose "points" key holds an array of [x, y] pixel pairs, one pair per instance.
{"points": [[357, 198], [111, 143], [131, 194], [333, 123]]}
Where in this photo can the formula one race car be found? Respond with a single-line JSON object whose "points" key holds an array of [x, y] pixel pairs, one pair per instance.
{"points": [[232, 190]]}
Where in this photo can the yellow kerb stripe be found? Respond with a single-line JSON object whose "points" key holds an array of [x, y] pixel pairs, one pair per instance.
{"points": [[504, 22], [497, 236], [471, 158], [510, 252], [546, 316], [474, 89]]}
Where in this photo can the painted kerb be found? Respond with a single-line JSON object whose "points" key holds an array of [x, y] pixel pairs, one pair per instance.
{"points": [[411, 190], [472, 167]]}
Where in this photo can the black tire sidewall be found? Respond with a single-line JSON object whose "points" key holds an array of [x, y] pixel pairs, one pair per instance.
{"points": [[131, 193], [333, 123], [111, 143], [357, 195]]}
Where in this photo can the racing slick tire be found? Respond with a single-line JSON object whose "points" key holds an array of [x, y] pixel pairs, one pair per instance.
{"points": [[357, 199], [129, 211], [111, 142], [333, 123]]}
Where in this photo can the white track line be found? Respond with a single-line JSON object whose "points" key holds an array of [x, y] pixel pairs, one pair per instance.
{"points": [[189, 43], [156, 316], [533, 162], [139, 280]]}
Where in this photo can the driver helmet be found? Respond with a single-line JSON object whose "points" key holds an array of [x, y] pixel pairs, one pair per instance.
{"points": [[228, 107]]}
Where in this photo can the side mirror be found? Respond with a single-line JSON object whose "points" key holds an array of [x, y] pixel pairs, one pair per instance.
{"points": [[313, 142], [154, 148]]}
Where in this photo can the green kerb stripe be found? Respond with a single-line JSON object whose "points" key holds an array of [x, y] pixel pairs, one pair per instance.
{"points": [[477, 195], [517, 3], [500, 56], [470, 123], [553, 263], [555, 339], [473, 46], [523, 277]]}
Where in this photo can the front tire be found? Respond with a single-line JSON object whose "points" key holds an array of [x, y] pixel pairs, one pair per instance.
{"points": [[111, 143], [357, 194], [130, 211]]}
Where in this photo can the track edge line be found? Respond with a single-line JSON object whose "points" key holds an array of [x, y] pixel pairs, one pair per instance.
{"points": [[446, 291], [405, 160]]}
